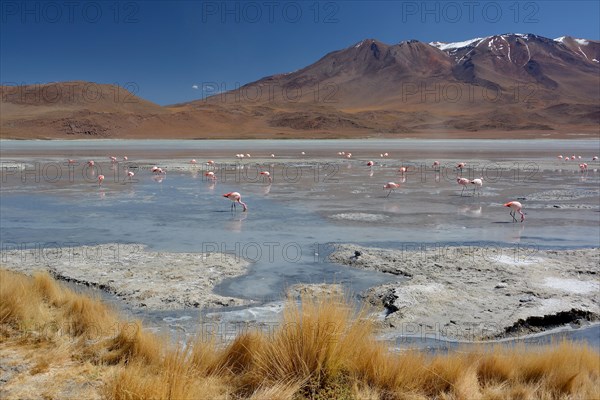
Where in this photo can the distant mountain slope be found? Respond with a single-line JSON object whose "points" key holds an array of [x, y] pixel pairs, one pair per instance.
{"points": [[503, 85]]}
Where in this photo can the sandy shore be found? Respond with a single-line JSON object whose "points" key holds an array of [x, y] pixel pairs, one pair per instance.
{"points": [[478, 293], [141, 278]]}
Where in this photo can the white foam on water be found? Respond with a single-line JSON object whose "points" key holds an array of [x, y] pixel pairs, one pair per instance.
{"points": [[360, 217]]}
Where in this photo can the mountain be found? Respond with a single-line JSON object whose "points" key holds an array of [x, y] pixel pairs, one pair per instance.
{"points": [[510, 85]]}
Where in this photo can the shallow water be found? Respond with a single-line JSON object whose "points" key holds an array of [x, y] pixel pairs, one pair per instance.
{"points": [[315, 200]]}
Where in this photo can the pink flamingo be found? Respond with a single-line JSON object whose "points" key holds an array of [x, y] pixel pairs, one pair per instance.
{"points": [[478, 183], [402, 170], [235, 197], [436, 165], [268, 175], [460, 167], [515, 207], [211, 175], [272, 155], [125, 158], [560, 156], [370, 163], [100, 179], [130, 174], [381, 155], [193, 161], [391, 186], [595, 158], [91, 163], [464, 182], [113, 159], [210, 162], [385, 154]]}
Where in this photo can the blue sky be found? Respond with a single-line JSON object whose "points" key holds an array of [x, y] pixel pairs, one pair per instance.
{"points": [[162, 49]]}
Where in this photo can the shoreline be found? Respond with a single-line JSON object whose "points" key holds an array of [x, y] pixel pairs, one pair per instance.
{"points": [[140, 278], [464, 295], [472, 294]]}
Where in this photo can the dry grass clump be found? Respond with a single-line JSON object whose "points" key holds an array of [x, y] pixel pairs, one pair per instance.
{"points": [[323, 349]]}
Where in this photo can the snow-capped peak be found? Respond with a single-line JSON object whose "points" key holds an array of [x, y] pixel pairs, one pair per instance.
{"points": [[455, 45], [357, 45], [581, 42]]}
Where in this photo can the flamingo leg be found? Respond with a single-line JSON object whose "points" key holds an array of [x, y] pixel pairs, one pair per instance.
{"points": [[512, 214], [462, 191], [388, 195]]}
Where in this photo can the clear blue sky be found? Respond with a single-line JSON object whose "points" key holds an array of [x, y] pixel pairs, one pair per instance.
{"points": [[165, 48]]}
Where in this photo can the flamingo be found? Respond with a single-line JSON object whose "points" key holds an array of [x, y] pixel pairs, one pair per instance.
{"points": [[478, 183], [515, 207], [460, 166], [560, 156], [235, 197], [211, 175], [436, 165], [381, 155], [303, 153], [91, 163], [370, 163], [391, 186], [595, 158], [113, 159], [385, 154], [70, 161], [464, 182], [158, 170], [210, 162], [272, 155], [402, 170], [130, 174], [248, 155], [268, 175], [193, 161], [349, 155], [125, 158], [100, 179]]}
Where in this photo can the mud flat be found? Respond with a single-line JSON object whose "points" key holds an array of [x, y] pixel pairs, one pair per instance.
{"points": [[473, 293], [143, 279]]}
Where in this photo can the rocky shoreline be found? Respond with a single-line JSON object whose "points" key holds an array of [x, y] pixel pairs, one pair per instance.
{"points": [[141, 278], [474, 293]]}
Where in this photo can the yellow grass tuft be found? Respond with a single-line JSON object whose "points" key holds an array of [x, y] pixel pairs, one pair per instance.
{"points": [[323, 350]]}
